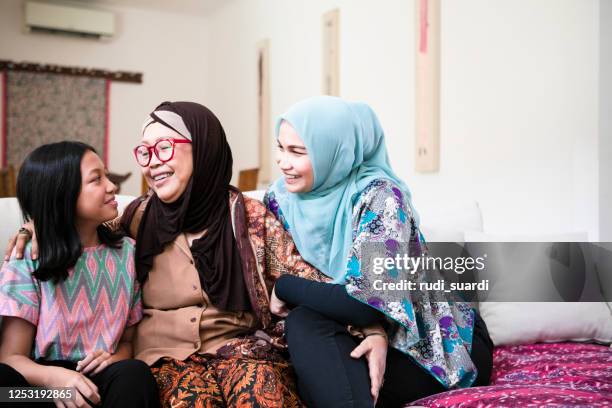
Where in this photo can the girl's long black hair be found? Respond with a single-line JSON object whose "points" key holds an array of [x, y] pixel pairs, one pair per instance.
{"points": [[48, 186]]}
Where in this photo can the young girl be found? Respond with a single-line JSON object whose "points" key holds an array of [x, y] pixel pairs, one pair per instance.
{"points": [[69, 316], [339, 198]]}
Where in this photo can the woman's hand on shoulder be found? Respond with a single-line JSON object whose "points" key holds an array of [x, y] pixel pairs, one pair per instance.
{"points": [[20, 240]]}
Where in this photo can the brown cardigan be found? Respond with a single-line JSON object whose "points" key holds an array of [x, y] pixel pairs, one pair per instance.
{"points": [[179, 319]]}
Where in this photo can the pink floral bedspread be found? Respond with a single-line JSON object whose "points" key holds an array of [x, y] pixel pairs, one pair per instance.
{"points": [[539, 375]]}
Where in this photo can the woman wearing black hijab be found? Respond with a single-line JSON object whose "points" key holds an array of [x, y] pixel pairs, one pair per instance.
{"points": [[207, 258]]}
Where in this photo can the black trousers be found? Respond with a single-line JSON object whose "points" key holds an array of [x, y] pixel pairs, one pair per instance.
{"points": [[126, 383], [320, 347]]}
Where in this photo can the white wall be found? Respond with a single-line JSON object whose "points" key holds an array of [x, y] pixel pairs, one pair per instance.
{"points": [[605, 122], [169, 49], [520, 103], [519, 110]]}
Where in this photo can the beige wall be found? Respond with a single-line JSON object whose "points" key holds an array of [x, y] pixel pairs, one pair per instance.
{"points": [[519, 102], [169, 49]]}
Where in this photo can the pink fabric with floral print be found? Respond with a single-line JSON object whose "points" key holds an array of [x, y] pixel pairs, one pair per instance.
{"points": [[535, 375]]}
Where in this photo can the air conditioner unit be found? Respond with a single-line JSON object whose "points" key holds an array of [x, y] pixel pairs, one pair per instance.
{"points": [[65, 19]]}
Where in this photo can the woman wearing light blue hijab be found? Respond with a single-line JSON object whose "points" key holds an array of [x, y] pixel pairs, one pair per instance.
{"points": [[342, 203]]}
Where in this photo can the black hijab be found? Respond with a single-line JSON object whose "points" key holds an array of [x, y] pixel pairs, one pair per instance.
{"points": [[203, 206]]}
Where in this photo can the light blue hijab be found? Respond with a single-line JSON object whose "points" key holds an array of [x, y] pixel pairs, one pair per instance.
{"points": [[346, 145]]}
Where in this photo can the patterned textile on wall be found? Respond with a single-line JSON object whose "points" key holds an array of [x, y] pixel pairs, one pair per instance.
{"points": [[44, 108]]}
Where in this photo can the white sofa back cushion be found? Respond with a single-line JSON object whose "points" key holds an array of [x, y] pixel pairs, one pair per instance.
{"points": [[11, 219], [448, 222], [439, 223], [256, 194]]}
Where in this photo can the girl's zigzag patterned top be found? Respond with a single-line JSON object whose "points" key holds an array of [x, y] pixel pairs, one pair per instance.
{"points": [[88, 311]]}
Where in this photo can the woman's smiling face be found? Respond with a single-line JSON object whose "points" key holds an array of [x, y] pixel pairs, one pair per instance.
{"points": [[169, 179], [293, 160]]}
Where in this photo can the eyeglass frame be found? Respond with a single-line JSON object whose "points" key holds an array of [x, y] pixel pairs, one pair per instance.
{"points": [[154, 148]]}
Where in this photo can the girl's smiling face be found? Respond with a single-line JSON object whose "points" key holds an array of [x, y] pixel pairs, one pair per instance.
{"points": [[96, 202]]}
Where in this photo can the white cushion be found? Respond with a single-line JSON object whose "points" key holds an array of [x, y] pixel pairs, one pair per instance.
{"points": [[529, 322], [447, 223], [123, 201], [438, 223], [479, 236], [10, 221], [444, 223], [256, 194], [512, 323], [442, 234]]}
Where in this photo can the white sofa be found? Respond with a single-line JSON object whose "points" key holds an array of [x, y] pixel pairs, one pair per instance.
{"points": [[11, 218], [459, 222], [447, 223]]}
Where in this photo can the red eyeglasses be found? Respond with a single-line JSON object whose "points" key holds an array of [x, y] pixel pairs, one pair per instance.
{"points": [[163, 149]]}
